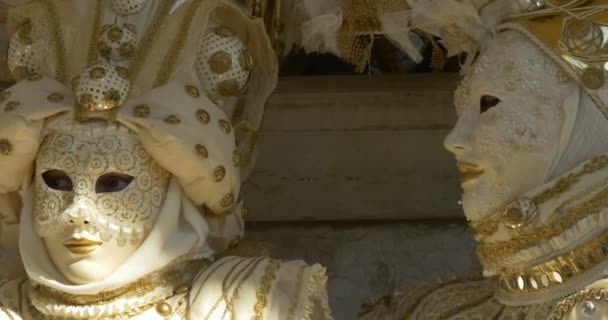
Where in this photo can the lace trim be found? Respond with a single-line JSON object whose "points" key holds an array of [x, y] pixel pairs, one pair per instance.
{"points": [[316, 295]]}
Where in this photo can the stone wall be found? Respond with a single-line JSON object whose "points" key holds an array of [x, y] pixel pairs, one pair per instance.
{"points": [[367, 260]]}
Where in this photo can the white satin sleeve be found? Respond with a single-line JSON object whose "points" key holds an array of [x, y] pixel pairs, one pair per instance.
{"points": [[260, 289]]}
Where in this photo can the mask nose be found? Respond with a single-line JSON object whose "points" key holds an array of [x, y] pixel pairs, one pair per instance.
{"points": [[459, 140], [78, 214]]}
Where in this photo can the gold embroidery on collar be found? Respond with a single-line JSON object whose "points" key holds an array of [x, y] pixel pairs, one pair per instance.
{"points": [[490, 252], [490, 225], [565, 306], [169, 276], [556, 271]]}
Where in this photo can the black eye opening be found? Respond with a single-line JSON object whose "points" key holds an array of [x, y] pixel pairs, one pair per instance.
{"points": [[57, 180], [487, 102], [112, 182]]}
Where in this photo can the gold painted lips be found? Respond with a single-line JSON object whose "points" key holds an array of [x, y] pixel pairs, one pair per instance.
{"points": [[468, 171], [81, 246]]}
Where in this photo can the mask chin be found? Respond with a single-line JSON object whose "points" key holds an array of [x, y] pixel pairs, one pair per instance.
{"points": [[83, 258]]}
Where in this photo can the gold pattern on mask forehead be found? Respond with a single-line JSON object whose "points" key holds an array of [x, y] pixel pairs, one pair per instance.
{"points": [[125, 214]]}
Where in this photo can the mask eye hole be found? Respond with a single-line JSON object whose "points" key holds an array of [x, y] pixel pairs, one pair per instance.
{"points": [[112, 182], [57, 180], [487, 102]]}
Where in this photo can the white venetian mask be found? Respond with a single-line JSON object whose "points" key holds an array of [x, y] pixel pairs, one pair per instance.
{"points": [[510, 113], [90, 190]]}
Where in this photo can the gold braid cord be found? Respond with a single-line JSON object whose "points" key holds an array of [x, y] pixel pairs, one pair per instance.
{"points": [[264, 290], [491, 252], [566, 306], [360, 25]]}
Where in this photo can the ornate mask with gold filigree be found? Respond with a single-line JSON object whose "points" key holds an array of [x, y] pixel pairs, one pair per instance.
{"points": [[101, 182]]}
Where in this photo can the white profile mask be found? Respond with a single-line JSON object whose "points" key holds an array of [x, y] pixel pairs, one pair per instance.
{"points": [[510, 119]]}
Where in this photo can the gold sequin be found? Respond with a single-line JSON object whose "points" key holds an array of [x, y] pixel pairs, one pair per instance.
{"points": [[55, 97], [115, 34], [11, 105], [172, 119], [201, 151], [203, 116], [219, 173], [20, 73], [224, 32], [228, 88], [111, 98], [220, 62], [97, 73], [227, 200], [126, 50], [4, 95], [34, 77], [6, 147], [141, 111], [236, 158], [245, 60], [225, 126], [86, 100], [193, 91], [103, 48]]}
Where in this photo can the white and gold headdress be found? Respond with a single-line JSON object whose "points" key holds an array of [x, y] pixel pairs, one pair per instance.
{"points": [[189, 99]]}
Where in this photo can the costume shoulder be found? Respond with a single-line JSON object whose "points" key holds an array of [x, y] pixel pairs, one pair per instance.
{"points": [[12, 295], [260, 288], [471, 298]]}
